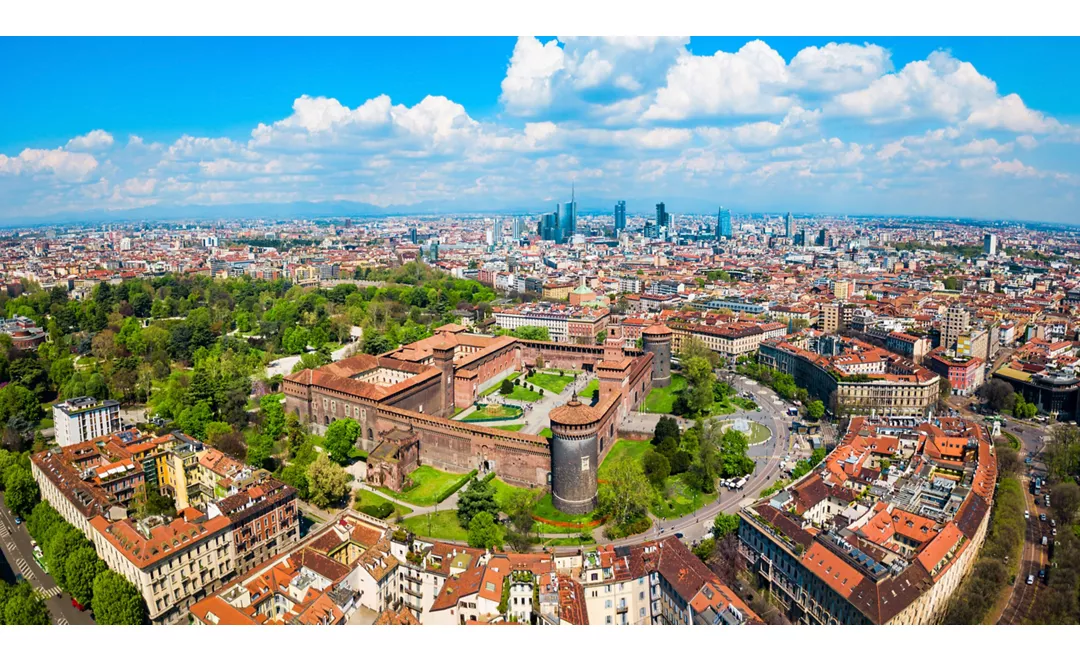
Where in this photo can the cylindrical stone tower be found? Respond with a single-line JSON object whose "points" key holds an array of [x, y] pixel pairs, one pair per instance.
{"points": [[574, 457], [656, 339]]}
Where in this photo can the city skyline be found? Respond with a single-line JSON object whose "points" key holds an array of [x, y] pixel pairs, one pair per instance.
{"points": [[918, 126]]}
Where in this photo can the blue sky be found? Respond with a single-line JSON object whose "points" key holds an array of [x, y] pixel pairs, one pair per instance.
{"points": [[937, 126]]}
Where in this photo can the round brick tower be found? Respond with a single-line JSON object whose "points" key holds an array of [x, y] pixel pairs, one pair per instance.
{"points": [[656, 339], [574, 457]]}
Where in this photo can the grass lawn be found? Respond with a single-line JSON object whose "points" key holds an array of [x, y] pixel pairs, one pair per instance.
{"points": [[510, 427], [723, 407], [545, 433], [492, 412], [758, 433], [545, 508], [571, 541], [593, 386], [503, 491], [662, 399], [679, 499], [441, 525], [745, 404], [495, 388], [635, 450], [522, 394], [428, 483], [550, 381], [367, 498]]}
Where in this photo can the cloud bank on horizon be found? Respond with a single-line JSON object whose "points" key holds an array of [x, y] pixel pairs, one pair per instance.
{"points": [[840, 127]]}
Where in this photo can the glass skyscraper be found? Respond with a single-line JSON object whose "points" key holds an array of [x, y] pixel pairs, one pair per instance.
{"points": [[663, 222], [620, 217], [723, 224]]}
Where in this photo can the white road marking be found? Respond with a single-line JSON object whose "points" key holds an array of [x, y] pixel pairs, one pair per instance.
{"points": [[61, 621]]}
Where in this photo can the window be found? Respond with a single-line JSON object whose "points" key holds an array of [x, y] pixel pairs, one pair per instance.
{"points": [[607, 605], [584, 463], [607, 620]]}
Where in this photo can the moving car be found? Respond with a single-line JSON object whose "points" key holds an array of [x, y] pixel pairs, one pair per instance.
{"points": [[18, 520], [1027, 515], [1031, 579]]}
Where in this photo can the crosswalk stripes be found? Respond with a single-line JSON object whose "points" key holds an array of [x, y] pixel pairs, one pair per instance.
{"points": [[49, 593], [11, 546], [61, 621]]}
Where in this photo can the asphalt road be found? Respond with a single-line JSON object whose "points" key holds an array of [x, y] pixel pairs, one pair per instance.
{"points": [[17, 549], [1035, 556]]}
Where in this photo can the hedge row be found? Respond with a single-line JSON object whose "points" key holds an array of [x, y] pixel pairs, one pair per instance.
{"points": [[453, 488]]}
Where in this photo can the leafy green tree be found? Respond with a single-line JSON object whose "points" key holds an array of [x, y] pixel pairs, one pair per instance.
{"points": [[657, 468], [81, 567], [1065, 500], [626, 493], [693, 347], [478, 496], [698, 396], [60, 546], [41, 522], [815, 409], [20, 605], [483, 531], [273, 416], [20, 490], [725, 524], [519, 507], [193, 420], [532, 332], [260, 449], [666, 427], [506, 387], [116, 601], [375, 343], [327, 482], [17, 401], [341, 437]]}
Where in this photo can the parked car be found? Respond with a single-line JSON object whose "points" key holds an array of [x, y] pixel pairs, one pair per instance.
{"points": [[1031, 579], [1042, 517], [77, 605], [18, 520]]}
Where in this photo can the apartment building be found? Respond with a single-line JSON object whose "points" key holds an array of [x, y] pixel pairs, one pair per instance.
{"points": [[173, 563], [965, 374], [344, 573], [83, 418], [865, 541], [850, 376], [565, 323]]}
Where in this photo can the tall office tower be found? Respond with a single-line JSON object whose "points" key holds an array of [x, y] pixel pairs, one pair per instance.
{"points": [[497, 230], [789, 226], [663, 222], [800, 237], [518, 222], [990, 244], [412, 235], [957, 322], [549, 227], [434, 251], [723, 224], [620, 217], [567, 219], [651, 230], [823, 238]]}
